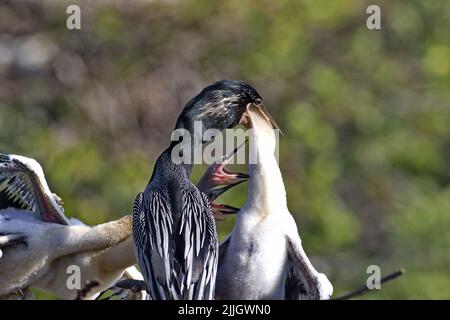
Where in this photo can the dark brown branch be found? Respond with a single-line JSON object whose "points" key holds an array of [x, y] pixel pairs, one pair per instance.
{"points": [[132, 285], [364, 289], [81, 294]]}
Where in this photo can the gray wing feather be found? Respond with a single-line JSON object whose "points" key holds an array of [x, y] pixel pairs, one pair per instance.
{"points": [[303, 282]]}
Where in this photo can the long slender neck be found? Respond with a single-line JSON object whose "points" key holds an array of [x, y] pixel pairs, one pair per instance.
{"points": [[187, 166], [73, 239], [118, 257], [266, 187], [166, 165], [193, 142], [119, 254]]}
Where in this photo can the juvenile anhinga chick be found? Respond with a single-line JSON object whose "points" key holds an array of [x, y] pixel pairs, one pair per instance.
{"points": [[39, 243], [173, 225], [263, 257]]}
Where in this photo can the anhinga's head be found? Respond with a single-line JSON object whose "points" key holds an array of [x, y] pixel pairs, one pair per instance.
{"points": [[220, 106]]}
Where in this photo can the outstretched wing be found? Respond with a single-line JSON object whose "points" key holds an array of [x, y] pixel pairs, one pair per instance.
{"points": [[303, 282], [178, 260], [23, 186]]}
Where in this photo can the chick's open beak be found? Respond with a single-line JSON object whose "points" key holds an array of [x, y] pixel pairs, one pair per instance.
{"points": [[218, 175], [221, 211], [214, 193]]}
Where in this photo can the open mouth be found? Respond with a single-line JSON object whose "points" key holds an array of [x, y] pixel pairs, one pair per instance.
{"points": [[217, 180]]}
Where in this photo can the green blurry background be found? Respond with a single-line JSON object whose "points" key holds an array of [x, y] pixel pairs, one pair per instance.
{"points": [[366, 114]]}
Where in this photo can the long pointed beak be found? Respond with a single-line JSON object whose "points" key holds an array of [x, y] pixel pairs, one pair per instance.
{"points": [[223, 176], [221, 211], [214, 193]]}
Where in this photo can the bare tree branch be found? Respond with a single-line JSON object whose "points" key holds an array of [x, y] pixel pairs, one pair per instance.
{"points": [[364, 289]]}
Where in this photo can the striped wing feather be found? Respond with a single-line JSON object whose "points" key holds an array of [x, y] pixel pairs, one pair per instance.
{"points": [[178, 260]]}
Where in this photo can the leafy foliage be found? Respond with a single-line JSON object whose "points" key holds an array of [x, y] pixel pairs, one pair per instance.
{"points": [[366, 114]]}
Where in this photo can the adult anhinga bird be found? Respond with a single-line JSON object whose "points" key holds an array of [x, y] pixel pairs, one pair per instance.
{"points": [[173, 226], [263, 257]]}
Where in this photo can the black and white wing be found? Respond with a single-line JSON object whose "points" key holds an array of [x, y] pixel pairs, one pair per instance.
{"points": [[178, 259], [200, 254], [152, 232], [23, 186], [303, 282]]}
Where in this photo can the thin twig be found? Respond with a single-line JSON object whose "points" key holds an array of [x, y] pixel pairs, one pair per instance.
{"points": [[81, 294], [364, 289]]}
